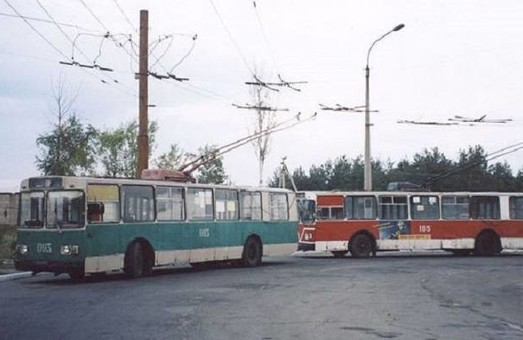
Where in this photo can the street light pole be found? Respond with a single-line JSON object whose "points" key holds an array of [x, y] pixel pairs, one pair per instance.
{"points": [[367, 181]]}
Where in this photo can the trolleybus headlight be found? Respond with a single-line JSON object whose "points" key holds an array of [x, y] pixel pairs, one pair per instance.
{"points": [[68, 249], [22, 249]]}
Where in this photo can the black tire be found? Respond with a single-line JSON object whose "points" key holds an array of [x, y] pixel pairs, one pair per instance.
{"points": [[137, 263], [252, 252], [361, 246], [487, 244], [339, 254]]}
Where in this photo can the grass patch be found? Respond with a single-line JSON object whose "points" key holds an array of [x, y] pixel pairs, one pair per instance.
{"points": [[7, 243]]}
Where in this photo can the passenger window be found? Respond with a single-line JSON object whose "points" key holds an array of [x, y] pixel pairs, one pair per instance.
{"points": [[323, 213], [103, 203], [279, 207], [226, 204], [455, 207], [424, 207], [484, 207], [251, 208], [337, 213], [392, 207], [199, 204], [170, 204], [138, 203], [360, 207], [516, 207]]}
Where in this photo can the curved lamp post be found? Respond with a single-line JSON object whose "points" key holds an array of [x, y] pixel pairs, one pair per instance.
{"points": [[368, 167]]}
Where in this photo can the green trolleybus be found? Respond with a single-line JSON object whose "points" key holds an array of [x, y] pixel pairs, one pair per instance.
{"points": [[81, 225]]}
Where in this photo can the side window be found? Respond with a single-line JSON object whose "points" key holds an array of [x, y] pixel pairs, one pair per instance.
{"points": [[360, 207], [250, 206], [323, 213], [516, 207], [138, 203], [455, 207], [424, 207], [337, 213], [169, 204], [199, 204], [279, 207], [103, 203], [484, 207], [226, 204], [392, 207]]}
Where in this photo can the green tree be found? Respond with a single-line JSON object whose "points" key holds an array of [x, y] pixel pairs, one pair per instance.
{"points": [[471, 172], [172, 159], [341, 176], [69, 148], [429, 168], [519, 181], [212, 170], [118, 149], [501, 178]]}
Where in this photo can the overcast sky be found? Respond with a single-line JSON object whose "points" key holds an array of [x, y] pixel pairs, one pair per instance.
{"points": [[452, 58]]}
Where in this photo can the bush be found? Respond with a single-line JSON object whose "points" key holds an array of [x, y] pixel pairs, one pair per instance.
{"points": [[7, 243]]}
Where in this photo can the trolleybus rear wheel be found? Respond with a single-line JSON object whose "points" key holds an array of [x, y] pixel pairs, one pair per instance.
{"points": [[137, 263], [252, 252], [361, 246], [487, 244]]}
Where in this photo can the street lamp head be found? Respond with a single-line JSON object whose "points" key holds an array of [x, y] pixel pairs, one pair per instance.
{"points": [[397, 28]]}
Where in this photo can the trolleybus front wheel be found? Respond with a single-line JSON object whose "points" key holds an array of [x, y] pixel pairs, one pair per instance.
{"points": [[361, 246]]}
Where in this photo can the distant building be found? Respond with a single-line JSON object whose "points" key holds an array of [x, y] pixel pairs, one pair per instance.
{"points": [[8, 208]]}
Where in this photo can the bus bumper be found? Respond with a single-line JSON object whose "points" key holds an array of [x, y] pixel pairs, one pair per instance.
{"points": [[306, 246], [53, 267]]}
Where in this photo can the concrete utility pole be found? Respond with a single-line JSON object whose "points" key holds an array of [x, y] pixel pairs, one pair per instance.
{"points": [[367, 175], [143, 95]]}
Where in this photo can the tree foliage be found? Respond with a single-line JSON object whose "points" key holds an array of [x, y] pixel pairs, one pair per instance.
{"points": [[429, 168], [68, 149], [172, 159], [117, 149], [212, 171]]}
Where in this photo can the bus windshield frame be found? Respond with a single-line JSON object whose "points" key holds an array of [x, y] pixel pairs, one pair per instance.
{"points": [[56, 209]]}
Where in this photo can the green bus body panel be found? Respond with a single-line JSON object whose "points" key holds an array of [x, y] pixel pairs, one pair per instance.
{"points": [[44, 245], [110, 239]]}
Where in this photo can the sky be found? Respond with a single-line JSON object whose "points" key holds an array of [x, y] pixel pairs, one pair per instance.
{"points": [[451, 58]]}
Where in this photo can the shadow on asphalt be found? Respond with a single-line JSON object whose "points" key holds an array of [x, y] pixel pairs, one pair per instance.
{"points": [[63, 279], [399, 255]]}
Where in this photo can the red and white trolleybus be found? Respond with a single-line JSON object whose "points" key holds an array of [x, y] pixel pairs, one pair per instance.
{"points": [[363, 223]]}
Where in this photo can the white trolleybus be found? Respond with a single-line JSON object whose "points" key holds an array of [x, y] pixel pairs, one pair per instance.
{"points": [[80, 225], [363, 223]]}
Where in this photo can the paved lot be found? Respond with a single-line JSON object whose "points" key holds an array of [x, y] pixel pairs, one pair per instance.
{"points": [[394, 296]]}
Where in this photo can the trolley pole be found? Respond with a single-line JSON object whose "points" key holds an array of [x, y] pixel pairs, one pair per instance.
{"points": [[143, 96]]}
